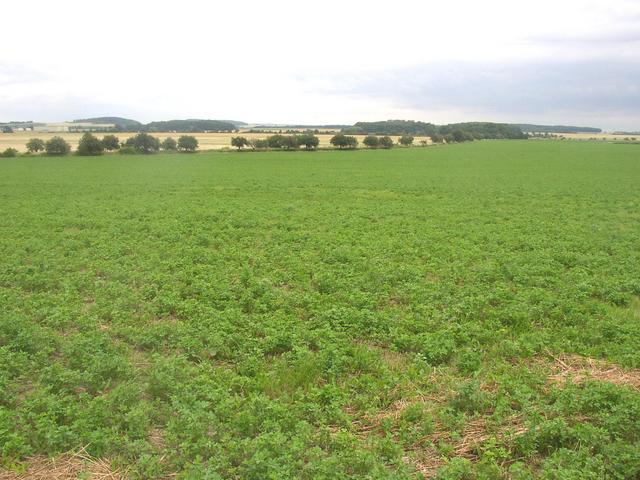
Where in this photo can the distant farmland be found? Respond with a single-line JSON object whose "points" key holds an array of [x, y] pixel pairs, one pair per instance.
{"points": [[207, 141], [219, 141]]}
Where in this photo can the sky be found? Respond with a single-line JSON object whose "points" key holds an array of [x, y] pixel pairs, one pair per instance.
{"points": [[572, 62]]}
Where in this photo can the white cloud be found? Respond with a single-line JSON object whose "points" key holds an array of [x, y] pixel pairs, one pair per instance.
{"points": [[269, 61]]}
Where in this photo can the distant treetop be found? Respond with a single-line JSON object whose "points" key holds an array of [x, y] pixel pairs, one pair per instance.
{"points": [[527, 127], [182, 126], [120, 123], [393, 127], [474, 130], [191, 126]]}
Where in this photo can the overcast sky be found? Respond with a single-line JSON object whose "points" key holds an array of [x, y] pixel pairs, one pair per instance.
{"points": [[549, 61]]}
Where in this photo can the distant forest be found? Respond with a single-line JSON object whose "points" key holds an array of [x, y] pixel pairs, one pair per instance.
{"points": [[186, 126], [191, 126], [527, 127], [470, 130], [473, 130]]}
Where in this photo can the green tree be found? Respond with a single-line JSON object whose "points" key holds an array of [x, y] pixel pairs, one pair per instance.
{"points": [[35, 145], [143, 143], [90, 145], [275, 141], [290, 142], [239, 142], [111, 142], [386, 142], [187, 143], [309, 141], [406, 140], [352, 142], [435, 138], [259, 143], [343, 141], [461, 136], [169, 144], [9, 152], [371, 141], [57, 146]]}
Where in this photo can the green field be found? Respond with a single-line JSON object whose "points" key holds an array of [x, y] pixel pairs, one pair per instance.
{"points": [[467, 311]]}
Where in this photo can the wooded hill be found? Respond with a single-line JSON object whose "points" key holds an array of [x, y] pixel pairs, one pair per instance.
{"points": [[477, 130]]}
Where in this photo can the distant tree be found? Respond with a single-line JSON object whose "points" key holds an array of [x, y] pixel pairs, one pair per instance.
{"points": [[111, 142], [385, 142], [127, 150], [406, 140], [239, 142], [9, 152], [371, 141], [342, 141], [7, 129], [435, 138], [57, 146], [290, 142], [309, 141], [259, 143], [339, 140], [90, 145], [191, 126], [275, 141], [393, 127], [470, 137], [143, 143], [458, 136], [35, 145], [482, 130], [448, 138], [187, 143], [169, 144]]}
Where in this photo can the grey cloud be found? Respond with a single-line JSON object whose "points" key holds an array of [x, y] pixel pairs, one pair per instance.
{"points": [[42, 107], [596, 88]]}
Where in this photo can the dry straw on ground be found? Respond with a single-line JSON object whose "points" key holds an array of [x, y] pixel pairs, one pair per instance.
{"points": [[425, 455], [68, 466], [427, 459], [578, 369]]}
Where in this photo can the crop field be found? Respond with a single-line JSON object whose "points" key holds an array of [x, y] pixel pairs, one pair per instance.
{"points": [[206, 141], [469, 311]]}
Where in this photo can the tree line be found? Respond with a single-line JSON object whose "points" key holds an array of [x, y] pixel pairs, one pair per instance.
{"points": [[310, 142], [278, 142], [453, 132], [90, 145], [192, 125]]}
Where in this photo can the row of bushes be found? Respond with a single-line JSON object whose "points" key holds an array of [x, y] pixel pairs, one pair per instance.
{"points": [[91, 145], [144, 143], [311, 142], [278, 141]]}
